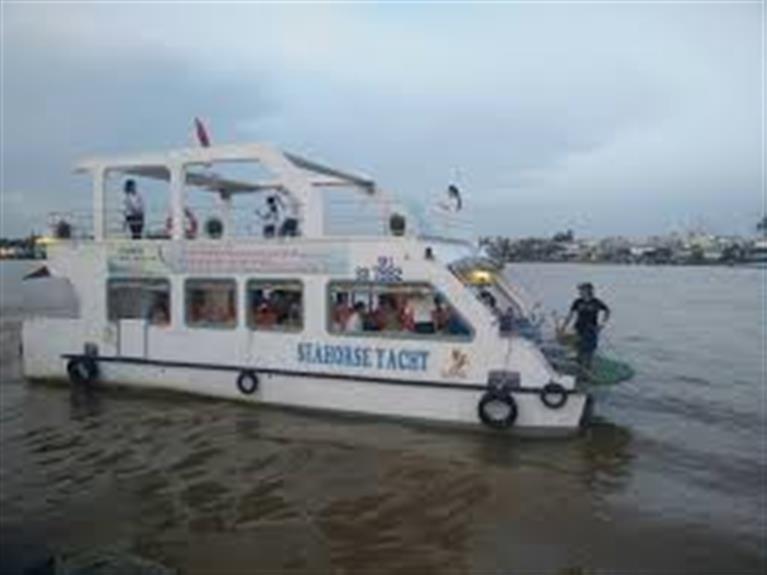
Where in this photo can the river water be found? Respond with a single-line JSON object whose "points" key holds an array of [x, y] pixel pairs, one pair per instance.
{"points": [[670, 478]]}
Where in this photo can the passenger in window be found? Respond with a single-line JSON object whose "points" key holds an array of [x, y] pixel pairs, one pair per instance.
{"points": [[404, 311], [455, 325], [294, 311], [213, 307], [231, 310], [265, 316], [341, 311], [197, 308], [215, 311], [256, 299], [281, 302], [387, 318], [160, 315], [356, 321], [421, 314], [406, 318], [375, 316], [440, 316]]}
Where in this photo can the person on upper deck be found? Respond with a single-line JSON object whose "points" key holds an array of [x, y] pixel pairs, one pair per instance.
{"points": [[133, 209], [586, 309], [289, 226], [271, 216]]}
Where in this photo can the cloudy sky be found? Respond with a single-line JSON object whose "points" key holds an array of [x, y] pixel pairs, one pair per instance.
{"points": [[610, 118]]}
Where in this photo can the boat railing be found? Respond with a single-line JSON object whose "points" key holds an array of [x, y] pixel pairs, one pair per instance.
{"points": [[71, 224], [343, 216], [78, 224], [243, 222]]}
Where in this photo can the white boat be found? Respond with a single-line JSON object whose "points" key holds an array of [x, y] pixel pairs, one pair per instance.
{"points": [[404, 322]]}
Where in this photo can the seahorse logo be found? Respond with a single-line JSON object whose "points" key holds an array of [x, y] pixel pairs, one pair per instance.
{"points": [[457, 366]]}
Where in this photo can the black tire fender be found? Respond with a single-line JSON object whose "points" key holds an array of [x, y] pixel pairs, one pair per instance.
{"points": [[495, 421], [82, 370], [553, 395], [247, 382]]}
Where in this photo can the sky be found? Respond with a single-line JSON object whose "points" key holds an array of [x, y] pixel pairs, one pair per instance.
{"points": [[617, 118]]}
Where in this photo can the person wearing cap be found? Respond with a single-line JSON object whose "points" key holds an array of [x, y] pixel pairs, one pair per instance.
{"points": [[134, 209], [585, 309]]}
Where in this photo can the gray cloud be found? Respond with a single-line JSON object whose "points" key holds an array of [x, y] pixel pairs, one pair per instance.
{"points": [[610, 118]]}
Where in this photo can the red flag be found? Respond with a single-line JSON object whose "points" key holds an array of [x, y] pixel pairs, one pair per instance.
{"points": [[202, 133]]}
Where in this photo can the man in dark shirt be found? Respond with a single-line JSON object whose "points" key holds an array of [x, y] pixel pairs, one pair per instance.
{"points": [[586, 310]]}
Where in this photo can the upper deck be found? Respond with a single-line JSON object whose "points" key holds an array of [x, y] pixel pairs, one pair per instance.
{"points": [[223, 191]]}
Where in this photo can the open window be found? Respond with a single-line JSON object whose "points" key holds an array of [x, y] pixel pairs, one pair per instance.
{"points": [[275, 305], [485, 280], [139, 298], [211, 303], [403, 309]]}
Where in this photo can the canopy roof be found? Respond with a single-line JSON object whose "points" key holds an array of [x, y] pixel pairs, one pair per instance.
{"points": [[197, 161]]}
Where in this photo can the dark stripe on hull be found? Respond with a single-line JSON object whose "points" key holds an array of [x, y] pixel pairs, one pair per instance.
{"points": [[320, 375]]}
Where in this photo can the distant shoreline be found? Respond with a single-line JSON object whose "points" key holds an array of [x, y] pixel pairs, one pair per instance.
{"points": [[755, 265]]}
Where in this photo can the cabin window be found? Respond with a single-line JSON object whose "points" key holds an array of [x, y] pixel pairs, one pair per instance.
{"points": [[139, 299], [412, 310], [211, 303], [275, 305]]}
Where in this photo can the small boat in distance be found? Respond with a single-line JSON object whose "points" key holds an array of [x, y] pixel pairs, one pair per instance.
{"points": [[401, 320]]}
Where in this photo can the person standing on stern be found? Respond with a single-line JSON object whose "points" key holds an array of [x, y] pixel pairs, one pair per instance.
{"points": [[585, 309]]}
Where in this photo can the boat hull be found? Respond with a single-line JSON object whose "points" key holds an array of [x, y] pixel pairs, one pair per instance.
{"points": [[448, 404]]}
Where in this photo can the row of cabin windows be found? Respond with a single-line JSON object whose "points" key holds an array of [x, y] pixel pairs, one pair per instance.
{"points": [[353, 308], [210, 303]]}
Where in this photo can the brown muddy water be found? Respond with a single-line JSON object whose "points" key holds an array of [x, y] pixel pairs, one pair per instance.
{"points": [[669, 479]]}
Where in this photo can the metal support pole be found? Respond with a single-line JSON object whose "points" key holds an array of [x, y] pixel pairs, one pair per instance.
{"points": [[225, 201], [177, 190], [99, 227]]}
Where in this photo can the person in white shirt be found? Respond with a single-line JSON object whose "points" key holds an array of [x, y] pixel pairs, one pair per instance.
{"points": [[356, 321], [421, 307], [134, 209], [271, 216], [289, 225]]}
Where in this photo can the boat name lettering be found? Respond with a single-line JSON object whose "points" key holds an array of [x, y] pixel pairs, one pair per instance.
{"points": [[384, 271], [363, 357]]}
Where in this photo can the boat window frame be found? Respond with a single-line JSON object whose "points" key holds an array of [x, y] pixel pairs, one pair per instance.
{"points": [[403, 334], [217, 326], [147, 279], [276, 329], [497, 282]]}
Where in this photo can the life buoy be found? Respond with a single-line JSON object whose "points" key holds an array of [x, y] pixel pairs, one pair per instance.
{"points": [[247, 382], [497, 409], [82, 370], [553, 395], [190, 224]]}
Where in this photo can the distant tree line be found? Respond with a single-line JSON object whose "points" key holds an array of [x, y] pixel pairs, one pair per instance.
{"points": [[21, 248], [563, 246]]}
